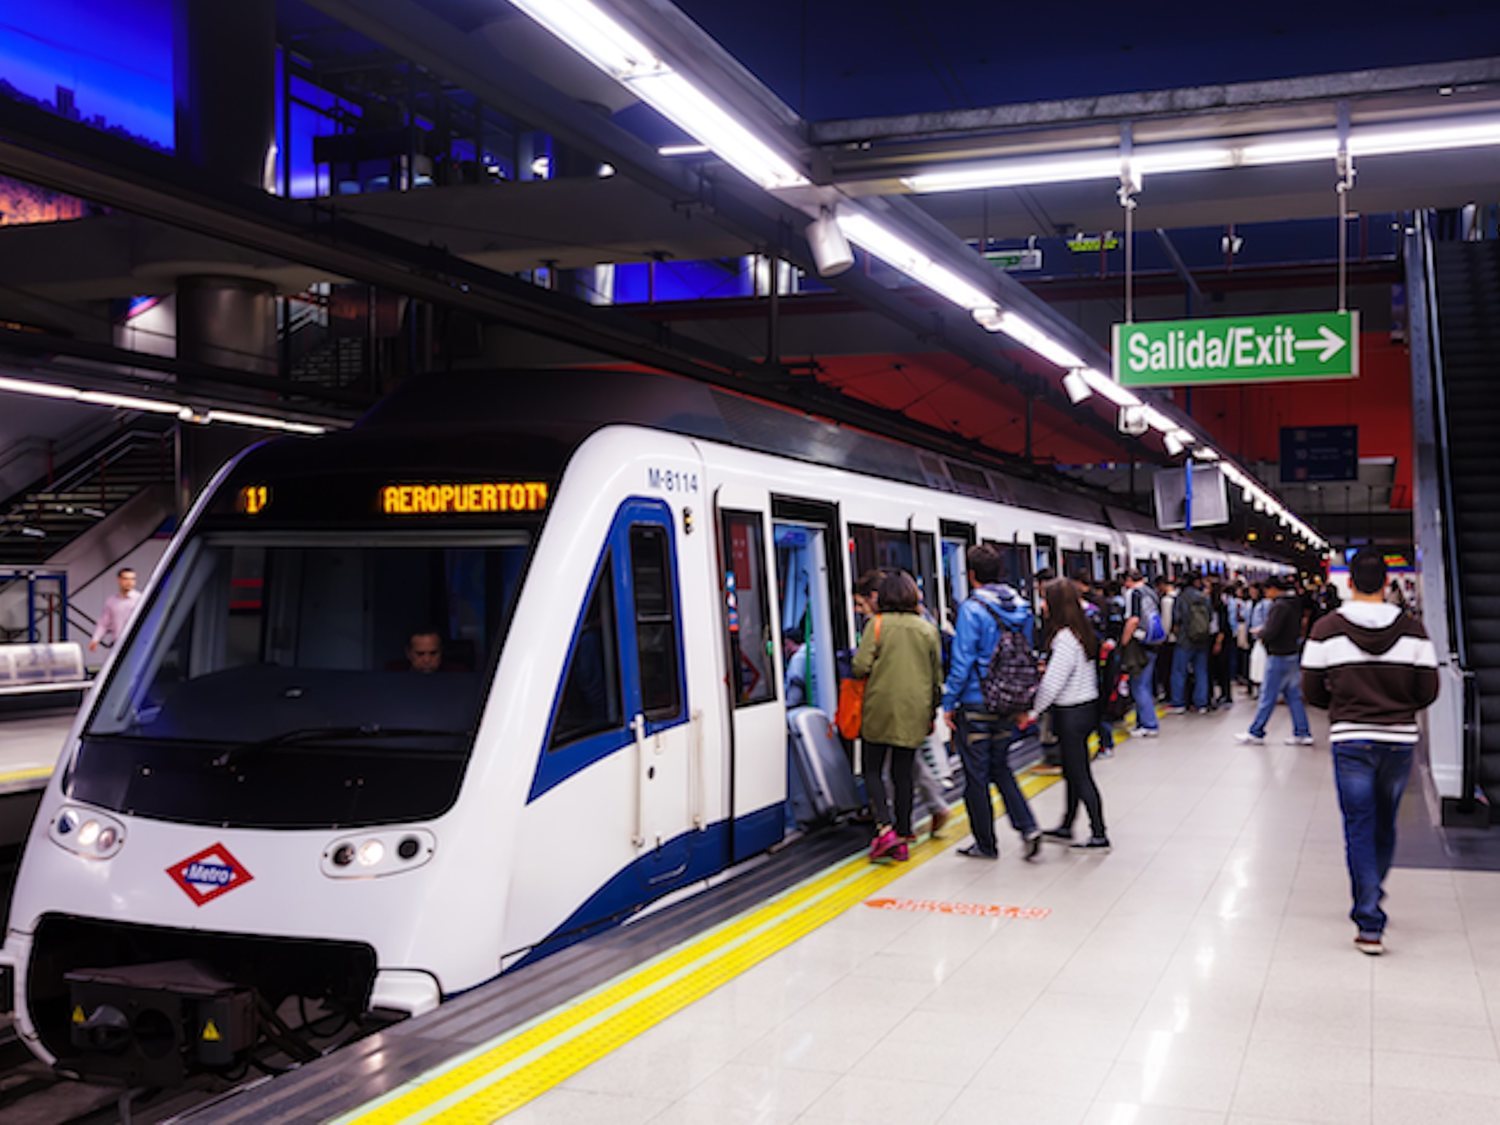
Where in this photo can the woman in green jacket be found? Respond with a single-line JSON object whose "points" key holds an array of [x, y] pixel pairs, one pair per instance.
{"points": [[900, 658]]}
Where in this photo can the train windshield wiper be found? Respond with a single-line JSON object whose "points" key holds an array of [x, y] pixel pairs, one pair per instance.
{"points": [[312, 735]]}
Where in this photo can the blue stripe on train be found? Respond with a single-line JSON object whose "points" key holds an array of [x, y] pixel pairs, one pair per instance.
{"points": [[683, 860]]}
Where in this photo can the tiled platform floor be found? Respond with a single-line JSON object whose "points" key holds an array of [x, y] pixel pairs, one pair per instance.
{"points": [[1201, 973], [32, 742]]}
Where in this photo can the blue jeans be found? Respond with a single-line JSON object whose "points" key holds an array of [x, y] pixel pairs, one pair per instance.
{"points": [[984, 742], [1283, 676], [1199, 658], [1143, 691], [1371, 777]]}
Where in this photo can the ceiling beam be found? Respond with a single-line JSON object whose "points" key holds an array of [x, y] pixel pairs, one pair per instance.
{"points": [[1144, 105]]}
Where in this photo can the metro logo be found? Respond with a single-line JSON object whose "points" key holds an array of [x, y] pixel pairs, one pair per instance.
{"points": [[209, 874]]}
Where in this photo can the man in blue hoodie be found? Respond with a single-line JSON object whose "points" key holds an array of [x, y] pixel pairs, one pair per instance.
{"points": [[984, 738]]}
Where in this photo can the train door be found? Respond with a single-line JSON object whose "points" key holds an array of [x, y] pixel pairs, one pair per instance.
{"points": [[756, 728], [811, 606], [1046, 553], [806, 609], [664, 739], [624, 692], [957, 538], [1103, 568]]}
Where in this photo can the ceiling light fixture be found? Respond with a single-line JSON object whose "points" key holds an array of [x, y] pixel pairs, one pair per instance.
{"points": [[683, 150], [601, 39], [830, 249], [1173, 443], [1077, 387], [155, 406]]}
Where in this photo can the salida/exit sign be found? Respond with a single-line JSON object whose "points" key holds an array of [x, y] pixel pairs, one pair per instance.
{"points": [[1168, 353]]}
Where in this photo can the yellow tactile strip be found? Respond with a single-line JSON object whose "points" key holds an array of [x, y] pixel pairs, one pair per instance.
{"points": [[34, 773], [498, 1077]]}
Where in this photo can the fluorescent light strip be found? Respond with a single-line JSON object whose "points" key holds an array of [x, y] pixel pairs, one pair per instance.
{"points": [[1387, 140], [1107, 388], [593, 34], [599, 38], [1283, 148], [155, 406], [1159, 421], [894, 250], [682, 150], [681, 103], [1061, 170], [1021, 330]]}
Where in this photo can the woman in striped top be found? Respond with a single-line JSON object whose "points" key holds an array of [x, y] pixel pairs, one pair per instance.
{"points": [[1070, 688]]}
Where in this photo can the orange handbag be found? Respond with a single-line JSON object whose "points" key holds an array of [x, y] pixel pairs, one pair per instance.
{"points": [[851, 711]]}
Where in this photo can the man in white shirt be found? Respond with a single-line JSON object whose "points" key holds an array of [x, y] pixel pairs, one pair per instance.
{"points": [[117, 610]]}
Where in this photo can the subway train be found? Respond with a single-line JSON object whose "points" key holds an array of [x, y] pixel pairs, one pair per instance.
{"points": [[407, 705]]}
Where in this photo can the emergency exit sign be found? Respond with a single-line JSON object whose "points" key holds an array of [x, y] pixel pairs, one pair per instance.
{"points": [[1245, 349]]}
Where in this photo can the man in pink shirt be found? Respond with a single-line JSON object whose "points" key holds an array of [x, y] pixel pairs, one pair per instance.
{"points": [[117, 610]]}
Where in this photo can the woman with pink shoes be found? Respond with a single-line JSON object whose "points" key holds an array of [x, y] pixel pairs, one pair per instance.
{"points": [[901, 663]]}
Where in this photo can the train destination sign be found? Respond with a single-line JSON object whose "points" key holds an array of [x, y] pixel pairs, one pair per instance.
{"points": [[463, 498], [1240, 349]]}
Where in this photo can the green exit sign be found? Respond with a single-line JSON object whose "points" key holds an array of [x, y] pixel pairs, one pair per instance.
{"points": [[1244, 349]]}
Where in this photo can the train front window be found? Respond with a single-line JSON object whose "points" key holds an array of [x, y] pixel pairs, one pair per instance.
{"points": [[304, 680]]}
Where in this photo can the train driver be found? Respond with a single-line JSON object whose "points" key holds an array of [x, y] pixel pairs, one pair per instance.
{"points": [[424, 651]]}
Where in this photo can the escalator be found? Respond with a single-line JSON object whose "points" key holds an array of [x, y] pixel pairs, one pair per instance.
{"points": [[1467, 282]]}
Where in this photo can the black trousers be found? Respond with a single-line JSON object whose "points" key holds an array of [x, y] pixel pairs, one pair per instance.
{"points": [[1219, 668], [903, 762], [984, 746], [1073, 725]]}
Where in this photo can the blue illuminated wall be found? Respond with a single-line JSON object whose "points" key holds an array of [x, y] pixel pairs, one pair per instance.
{"points": [[102, 62]]}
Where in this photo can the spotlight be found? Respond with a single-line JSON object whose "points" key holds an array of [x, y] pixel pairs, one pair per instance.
{"points": [[1174, 444], [1077, 387], [830, 249]]}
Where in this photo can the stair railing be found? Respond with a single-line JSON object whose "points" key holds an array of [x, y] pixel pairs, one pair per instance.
{"points": [[1452, 568], [12, 521]]}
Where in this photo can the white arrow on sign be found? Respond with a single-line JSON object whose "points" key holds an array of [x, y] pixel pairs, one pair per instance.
{"points": [[1331, 343]]}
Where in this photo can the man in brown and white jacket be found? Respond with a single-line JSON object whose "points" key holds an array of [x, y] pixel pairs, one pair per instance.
{"points": [[1374, 669]]}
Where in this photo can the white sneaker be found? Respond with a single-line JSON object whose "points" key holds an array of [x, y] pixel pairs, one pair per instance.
{"points": [[1143, 732], [1300, 740], [1251, 739]]}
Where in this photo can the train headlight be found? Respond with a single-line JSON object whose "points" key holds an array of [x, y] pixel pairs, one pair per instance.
{"points": [[371, 852], [87, 833], [372, 855]]}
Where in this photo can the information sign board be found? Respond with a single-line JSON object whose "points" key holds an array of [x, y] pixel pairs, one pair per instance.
{"points": [[1240, 349], [1319, 453]]}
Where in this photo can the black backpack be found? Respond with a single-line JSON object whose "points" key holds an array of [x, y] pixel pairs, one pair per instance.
{"points": [[1198, 630], [1009, 684]]}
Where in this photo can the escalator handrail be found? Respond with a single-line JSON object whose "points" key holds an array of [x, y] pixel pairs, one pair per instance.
{"points": [[1457, 638]]}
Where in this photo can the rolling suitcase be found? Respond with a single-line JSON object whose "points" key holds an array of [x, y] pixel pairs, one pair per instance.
{"points": [[820, 766]]}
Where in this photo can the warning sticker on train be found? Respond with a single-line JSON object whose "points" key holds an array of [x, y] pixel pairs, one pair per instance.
{"points": [[210, 873]]}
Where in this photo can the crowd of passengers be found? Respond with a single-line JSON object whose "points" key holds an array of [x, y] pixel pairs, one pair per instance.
{"points": [[1088, 656]]}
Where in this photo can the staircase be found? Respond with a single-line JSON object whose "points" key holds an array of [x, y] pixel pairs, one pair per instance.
{"points": [[43, 519], [1467, 276]]}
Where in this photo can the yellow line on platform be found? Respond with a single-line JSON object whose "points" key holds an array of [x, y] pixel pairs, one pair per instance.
{"points": [[498, 1077], [32, 774]]}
